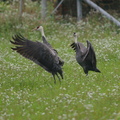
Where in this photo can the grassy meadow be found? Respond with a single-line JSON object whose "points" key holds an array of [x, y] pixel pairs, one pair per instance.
{"points": [[28, 92]]}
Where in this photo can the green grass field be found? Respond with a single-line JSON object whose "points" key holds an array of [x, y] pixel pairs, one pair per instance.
{"points": [[28, 92]]}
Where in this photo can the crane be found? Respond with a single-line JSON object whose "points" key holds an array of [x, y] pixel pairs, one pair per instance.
{"points": [[85, 57]]}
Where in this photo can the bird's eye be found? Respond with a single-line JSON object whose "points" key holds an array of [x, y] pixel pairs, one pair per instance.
{"points": [[38, 27], [74, 34]]}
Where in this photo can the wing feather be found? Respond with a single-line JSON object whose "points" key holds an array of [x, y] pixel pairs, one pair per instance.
{"points": [[35, 51], [90, 55], [39, 53]]}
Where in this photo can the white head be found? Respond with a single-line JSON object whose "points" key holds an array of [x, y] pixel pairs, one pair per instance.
{"points": [[39, 28], [75, 34]]}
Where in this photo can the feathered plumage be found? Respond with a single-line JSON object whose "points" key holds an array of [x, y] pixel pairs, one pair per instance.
{"points": [[85, 56], [41, 29], [39, 53]]}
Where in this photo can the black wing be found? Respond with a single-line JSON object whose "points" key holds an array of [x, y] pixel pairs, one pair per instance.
{"points": [[31, 50], [39, 53], [90, 55]]}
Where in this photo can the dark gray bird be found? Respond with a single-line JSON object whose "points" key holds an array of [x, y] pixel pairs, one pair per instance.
{"points": [[41, 29], [85, 56], [39, 53]]}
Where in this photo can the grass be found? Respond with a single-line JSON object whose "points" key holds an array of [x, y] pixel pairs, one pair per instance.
{"points": [[28, 92]]}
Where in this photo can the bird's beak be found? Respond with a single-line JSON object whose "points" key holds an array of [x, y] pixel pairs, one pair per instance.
{"points": [[34, 29]]}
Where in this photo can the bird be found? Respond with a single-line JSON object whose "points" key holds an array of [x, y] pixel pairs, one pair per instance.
{"points": [[41, 29], [85, 57], [39, 53]]}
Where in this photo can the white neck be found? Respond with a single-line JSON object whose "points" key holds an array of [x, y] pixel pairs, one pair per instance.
{"points": [[42, 32], [75, 39]]}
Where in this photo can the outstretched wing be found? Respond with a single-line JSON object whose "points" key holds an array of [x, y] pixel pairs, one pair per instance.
{"points": [[35, 51], [90, 55], [39, 53]]}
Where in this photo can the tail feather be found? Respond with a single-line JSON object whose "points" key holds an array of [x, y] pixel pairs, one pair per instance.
{"points": [[97, 70]]}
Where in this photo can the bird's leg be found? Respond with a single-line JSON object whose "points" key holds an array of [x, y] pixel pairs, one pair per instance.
{"points": [[54, 81], [86, 74], [54, 78], [58, 77], [85, 71]]}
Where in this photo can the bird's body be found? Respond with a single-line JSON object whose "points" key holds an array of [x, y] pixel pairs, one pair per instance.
{"points": [[41, 29], [39, 53], [85, 56]]}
